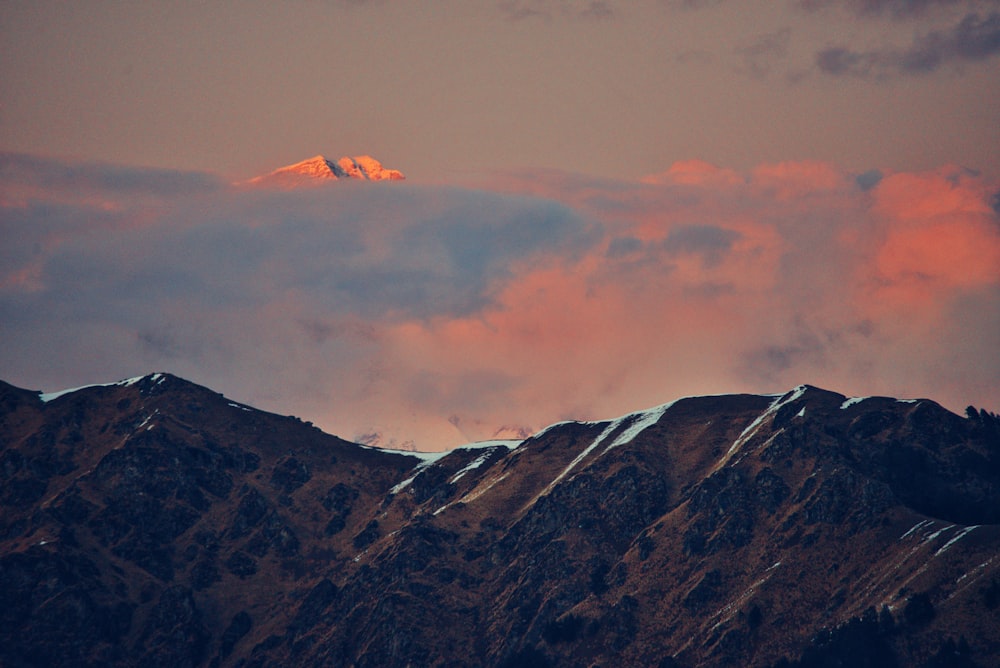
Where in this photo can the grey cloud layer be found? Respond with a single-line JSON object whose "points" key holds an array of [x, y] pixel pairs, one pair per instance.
{"points": [[415, 253], [899, 9], [549, 9], [972, 39], [896, 8], [20, 171], [939, 32]]}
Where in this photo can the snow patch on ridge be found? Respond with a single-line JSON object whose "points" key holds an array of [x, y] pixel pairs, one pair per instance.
{"points": [[959, 536], [917, 527], [50, 396], [637, 423], [426, 459], [556, 425], [753, 427], [510, 444], [429, 458], [479, 491], [642, 421], [471, 466], [968, 578], [926, 537], [851, 401]]}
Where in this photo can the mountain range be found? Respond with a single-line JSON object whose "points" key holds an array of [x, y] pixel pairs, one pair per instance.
{"points": [[154, 522], [320, 168]]}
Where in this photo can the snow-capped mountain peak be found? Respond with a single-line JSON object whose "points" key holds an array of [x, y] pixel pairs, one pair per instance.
{"points": [[320, 168], [367, 167]]}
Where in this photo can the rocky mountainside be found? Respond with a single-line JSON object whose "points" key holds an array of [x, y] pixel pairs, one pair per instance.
{"points": [[154, 522], [319, 168]]}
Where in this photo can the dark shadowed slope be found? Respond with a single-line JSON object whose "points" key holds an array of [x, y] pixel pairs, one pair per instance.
{"points": [[154, 522]]}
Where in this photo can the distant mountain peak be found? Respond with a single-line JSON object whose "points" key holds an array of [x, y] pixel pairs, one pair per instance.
{"points": [[321, 168]]}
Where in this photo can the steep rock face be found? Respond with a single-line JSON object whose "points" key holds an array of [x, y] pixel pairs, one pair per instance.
{"points": [[155, 522]]}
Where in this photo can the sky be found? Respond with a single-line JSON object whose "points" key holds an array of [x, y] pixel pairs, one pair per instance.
{"points": [[608, 205]]}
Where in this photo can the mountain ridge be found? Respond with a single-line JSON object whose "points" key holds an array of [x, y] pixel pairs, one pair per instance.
{"points": [[153, 521]]}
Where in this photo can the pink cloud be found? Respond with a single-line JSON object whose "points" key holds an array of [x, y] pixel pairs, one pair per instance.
{"points": [[794, 180], [819, 284], [696, 172], [922, 196]]}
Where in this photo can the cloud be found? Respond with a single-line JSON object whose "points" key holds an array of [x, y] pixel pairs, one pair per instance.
{"points": [[899, 9], [759, 56], [693, 4], [940, 33], [803, 273], [354, 3], [404, 314], [869, 179], [711, 243], [26, 175], [402, 252], [974, 38], [696, 172], [517, 10]]}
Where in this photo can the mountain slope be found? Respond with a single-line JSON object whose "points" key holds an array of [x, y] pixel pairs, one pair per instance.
{"points": [[155, 522], [136, 506]]}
